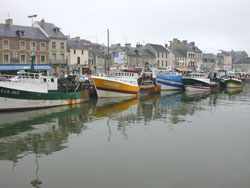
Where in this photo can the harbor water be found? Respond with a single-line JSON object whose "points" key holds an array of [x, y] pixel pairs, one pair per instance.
{"points": [[173, 139]]}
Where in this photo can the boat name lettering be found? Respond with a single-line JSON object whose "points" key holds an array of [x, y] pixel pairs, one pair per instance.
{"points": [[111, 84], [12, 92]]}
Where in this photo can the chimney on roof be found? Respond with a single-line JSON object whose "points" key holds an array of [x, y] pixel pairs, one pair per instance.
{"points": [[43, 23], [118, 44], [184, 41], [78, 39], [138, 45], [9, 22], [175, 41], [128, 45], [166, 45], [192, 43]]}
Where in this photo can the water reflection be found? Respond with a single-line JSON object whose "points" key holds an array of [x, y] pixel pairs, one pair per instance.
{"points": [[233, 91], [46, 131], [40, 131]]}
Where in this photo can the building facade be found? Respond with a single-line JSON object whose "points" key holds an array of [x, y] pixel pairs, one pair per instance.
{"points": [[192, 55], [17, 43], [57, 46], [78, 56], [161, 54]]}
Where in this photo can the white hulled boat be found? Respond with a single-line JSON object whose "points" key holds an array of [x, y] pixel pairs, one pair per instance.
{"points": [[32, 90], [196, 81]]}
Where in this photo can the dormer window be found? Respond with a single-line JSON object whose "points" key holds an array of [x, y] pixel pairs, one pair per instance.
{"points": [[56, 29], [20, 33]]}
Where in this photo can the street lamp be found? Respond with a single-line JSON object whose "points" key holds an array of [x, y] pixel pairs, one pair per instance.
{"points": [[32, 49], [32, 16]]}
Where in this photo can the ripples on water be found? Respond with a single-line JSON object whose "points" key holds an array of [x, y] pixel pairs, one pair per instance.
{"points": [[172, 139]]}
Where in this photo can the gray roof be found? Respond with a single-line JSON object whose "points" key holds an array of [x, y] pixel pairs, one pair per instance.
{"points": [[130, 51], [52, 31], [28, 32], [243, 60], [143, 52], [96, 53], [74, 44], [209, 57], [189, 47], [158, 48], [177, 52]]}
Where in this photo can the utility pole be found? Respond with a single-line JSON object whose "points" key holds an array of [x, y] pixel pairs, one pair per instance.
{"points": [[108, 51]]}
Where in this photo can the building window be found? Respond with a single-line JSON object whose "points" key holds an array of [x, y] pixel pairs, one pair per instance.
{"points": [[62, 56], [62, 45], [6, 58], [166, 55], [33, 46], [74, 51], [158, 63], [22, 45], [82, 52], [54, 45], [42, 46], [78, 61], [42, 59], [158, 54], [14, 55], [54, 56], [162, 55], [23, 58], [5, 44]]}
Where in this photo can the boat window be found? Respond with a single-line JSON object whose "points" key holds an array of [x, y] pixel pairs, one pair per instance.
{"points": [[52, 80], [44, 80], [36, 76], [26, 76], [32, 76]]}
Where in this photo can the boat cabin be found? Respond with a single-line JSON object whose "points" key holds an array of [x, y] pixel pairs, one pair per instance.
{"points": [[123, 74], [196, 75], [37, 78]]}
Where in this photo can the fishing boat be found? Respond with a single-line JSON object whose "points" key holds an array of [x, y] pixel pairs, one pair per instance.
{"points": [[169, 79], [147, 81], [117, 83], [233, 81], [31, 90], [196, 81]]}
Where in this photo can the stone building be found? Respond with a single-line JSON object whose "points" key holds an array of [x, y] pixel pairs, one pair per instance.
{"points": [[78, 56], [57, 46], [191, 54], [225, 60], [162, 55], [16, 45], [209, 61]]}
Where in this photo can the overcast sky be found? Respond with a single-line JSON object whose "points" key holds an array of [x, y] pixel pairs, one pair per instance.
{"points": [[212, 24]]}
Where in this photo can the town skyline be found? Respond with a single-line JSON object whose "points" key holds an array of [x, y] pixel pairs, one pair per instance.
{"points": [[213, 25]]}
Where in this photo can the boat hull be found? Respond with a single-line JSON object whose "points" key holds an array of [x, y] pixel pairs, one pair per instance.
{"points": [[13, 99], [107, 87], [170, 83], [191, 84], [233, 83]]}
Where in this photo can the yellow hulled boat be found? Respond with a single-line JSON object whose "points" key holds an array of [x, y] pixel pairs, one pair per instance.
{"points": [[116, 84]]}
